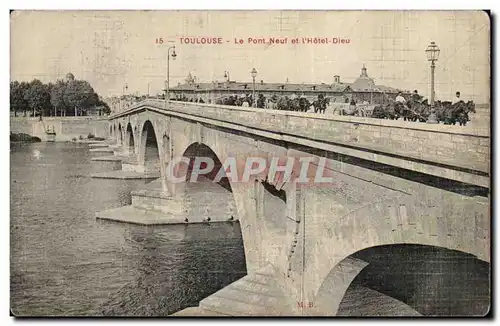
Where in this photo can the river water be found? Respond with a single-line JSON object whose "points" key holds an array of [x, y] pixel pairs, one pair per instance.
{"points": [[64, 262]]}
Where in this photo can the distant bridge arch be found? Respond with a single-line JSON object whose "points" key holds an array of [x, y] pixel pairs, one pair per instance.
{"points": [[129, 145], [120, 134], [399, 220], [406, 280]]}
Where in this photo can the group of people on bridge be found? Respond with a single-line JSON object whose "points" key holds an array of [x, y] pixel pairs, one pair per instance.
{"points": [[416, 108], [288, 103]]}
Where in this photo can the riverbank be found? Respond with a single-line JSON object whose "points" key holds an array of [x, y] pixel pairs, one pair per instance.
{"points": [[23, 138], [66, 128]]}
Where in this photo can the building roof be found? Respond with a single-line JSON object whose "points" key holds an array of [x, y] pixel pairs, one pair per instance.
{"points": [[362, 84], [242, 86]]}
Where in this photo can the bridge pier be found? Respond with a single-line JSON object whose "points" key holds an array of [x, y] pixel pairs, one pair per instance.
{"points": [[160, 201]]}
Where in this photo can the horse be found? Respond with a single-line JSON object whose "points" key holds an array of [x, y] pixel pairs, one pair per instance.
{"points": [[270, 104], [239, 101], [385, 112], [229, 100], [294, 105], [261, 101], [406, 112], [460, 112], [299, 104], [471, 107], [400, 110], [415, 110], [320, 104], [283, 103], [378, 112], [444, 112], [422, 111], [324, 104], [304, 104]]}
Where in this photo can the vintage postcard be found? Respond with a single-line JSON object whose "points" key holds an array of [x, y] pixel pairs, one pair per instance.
{"points": [[250, 163]]}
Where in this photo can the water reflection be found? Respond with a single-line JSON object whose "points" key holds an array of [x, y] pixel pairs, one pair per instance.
{"points": [[177, 266]]}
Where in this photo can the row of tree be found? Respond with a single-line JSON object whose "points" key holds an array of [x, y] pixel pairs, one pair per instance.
{"points": [[63, 98]]}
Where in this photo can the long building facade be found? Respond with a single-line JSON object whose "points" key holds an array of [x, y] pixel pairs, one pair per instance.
{"points": [[363, 89]]}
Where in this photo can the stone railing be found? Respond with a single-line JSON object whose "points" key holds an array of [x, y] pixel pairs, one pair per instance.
{"points": [[462, 147]]}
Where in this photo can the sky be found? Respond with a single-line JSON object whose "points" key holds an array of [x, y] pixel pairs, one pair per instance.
{"points": [[113, 48]]}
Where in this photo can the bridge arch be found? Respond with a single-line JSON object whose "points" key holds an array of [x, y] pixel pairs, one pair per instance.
{"points": [[200, 150], [406, 280], [129, 145], [266, 211], [120, 134], [397, 221], [149, 150]]}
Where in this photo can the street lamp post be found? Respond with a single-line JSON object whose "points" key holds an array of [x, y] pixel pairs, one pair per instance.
{"points": [[124, 91], [167, 80], [254, 74], [148, 88], [432, 53]]}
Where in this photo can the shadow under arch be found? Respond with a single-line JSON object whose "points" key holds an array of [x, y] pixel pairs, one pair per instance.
{"points": [[274, 204], [149, 151], [406, 280], [207, 183], [120, 134], [129, 140]]}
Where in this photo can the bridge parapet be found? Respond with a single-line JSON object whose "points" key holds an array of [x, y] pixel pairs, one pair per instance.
{"points": [[461, 148]]}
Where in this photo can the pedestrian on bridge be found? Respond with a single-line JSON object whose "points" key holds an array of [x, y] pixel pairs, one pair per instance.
{"points": [[415, 97], [400, 98]]}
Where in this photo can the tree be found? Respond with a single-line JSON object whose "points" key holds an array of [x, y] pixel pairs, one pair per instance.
{"points": [[37, 96], [57, 97], [78, 94], [104, 107], [17, 101], [49, 99], [17, 97], [49, 110]]}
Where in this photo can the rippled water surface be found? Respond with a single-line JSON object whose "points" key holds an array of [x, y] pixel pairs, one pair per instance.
{"points": [[65, 262]]}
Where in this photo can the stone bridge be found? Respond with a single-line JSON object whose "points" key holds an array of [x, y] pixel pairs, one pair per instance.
{"points": [[408, 214]]}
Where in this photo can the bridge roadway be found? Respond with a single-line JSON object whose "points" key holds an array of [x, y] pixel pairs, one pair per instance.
{"points": [[397, 185]]}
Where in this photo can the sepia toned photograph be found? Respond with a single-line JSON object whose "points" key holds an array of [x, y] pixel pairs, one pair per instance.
{"points": [[251, 163]]}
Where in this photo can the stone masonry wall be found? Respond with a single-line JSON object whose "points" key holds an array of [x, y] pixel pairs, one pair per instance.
{"points": [[65, 127], [464, 147]]}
